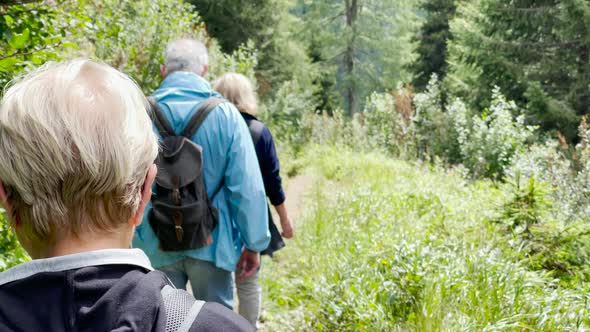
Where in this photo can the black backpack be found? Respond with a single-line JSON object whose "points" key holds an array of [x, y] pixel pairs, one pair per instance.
{"points": [[182, 215]]}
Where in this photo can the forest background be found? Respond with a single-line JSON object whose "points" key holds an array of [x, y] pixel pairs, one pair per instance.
{"points": [[492, 93]]}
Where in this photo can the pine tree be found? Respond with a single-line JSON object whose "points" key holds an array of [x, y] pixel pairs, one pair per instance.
{"points": [[536, 51], [269, 24], [366, 43], [432, 42]]}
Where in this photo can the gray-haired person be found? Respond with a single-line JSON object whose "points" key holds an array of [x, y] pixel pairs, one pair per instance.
{"points": [[231, 177], [77, 166]]}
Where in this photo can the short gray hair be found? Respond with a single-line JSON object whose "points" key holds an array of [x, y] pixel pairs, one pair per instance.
{"points": [[76, 143], [186, 55]]}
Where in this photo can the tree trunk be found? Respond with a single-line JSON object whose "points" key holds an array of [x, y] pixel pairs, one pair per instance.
{"points": [[350, 93]]}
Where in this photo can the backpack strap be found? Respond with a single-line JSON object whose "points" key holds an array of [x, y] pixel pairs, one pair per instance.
{"points": [[200, 115], [181, 309], [159, 119], [256, 127]]}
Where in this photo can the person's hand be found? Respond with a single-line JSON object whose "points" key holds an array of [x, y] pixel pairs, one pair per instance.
{"points": [[288, 231], [248, 264]]}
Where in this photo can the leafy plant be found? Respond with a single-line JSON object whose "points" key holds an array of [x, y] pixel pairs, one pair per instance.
{"points": [[526, 206], [11, 253], [33, 34], [489, 142]]}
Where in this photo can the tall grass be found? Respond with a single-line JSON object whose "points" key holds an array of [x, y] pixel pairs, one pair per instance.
{"points": [[394, 246]]}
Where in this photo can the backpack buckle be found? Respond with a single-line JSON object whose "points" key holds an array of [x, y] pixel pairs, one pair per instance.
{"points": [[178, 225], [179, 233]]}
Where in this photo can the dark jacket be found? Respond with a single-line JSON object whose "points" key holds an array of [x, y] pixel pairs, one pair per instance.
{"points": [[105, 290], [269, 163]]}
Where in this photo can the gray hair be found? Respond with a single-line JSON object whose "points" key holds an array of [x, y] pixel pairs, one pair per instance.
{"points": [[186, 55], [76, 143]]}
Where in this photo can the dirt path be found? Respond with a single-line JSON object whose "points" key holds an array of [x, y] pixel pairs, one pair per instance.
{"points": [[296, 189]]}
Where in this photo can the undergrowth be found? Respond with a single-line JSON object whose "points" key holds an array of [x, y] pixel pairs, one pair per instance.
{"points": [[389, 245]]}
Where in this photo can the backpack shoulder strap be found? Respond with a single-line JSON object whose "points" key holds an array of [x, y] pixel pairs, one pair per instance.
{"points": [[181, 309], [256, 127], [159, 119], [200, 115]]}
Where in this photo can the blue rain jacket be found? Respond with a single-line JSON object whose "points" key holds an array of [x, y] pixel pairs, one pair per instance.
{"points": [[228, 155]]}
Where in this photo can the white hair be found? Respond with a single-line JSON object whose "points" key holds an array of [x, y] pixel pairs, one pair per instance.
{"points": [[238, 89], [186, 55], [76, 143]]}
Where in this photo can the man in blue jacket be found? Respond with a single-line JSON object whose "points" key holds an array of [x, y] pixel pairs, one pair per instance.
{"points": [[228, 159]]}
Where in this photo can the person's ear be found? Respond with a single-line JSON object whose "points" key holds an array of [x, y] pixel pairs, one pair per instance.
{"points": [[205, 70], [146, 194], [163, 71]]}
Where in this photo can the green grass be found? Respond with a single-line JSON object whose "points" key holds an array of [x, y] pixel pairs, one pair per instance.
{"points": [[388, 245]]}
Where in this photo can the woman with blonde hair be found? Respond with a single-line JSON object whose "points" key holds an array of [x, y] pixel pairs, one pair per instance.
{"points": [[239, 90]]}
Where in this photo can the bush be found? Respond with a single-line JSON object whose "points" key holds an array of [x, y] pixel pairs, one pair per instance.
{"points": [[388, 128], [33, 34], [436, 134], [288, 111], [132, 35], [539, 240], [566, 169], [11, 253], [489, 142]]}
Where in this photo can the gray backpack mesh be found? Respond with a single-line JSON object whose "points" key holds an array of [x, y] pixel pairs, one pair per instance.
{"points": [[181, 309]]}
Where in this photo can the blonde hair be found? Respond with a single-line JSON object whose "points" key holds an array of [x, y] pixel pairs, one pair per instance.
{"points": [[76, 143], [238, 89]]}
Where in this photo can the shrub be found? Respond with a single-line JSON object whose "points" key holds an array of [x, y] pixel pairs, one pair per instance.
{"points": [[542, 242], [387, 127], [33, 34], [435, 133], [566, 169], [11, 253], [288, 112], [489, 141]]}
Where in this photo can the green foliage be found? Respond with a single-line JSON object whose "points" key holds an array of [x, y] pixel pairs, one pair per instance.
{"points": [[132, 35], [11, 253], [543, 243], [386, 127], [395, 246], [243, 60], [271, 29], [342, 37], [489, 141], [526, 206], [537, 52], [418, 126], [566, 169], [435, 130], [33, 34], [432, 42], [287, 112]]}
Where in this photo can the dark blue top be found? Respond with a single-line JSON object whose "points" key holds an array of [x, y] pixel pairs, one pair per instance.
{"points": [[269, 164]]}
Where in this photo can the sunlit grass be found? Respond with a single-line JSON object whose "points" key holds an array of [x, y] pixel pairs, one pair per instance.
{"points": [[391, 246]]}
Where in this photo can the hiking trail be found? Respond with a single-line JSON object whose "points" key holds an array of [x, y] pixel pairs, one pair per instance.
{"points": [[297, 186]]}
